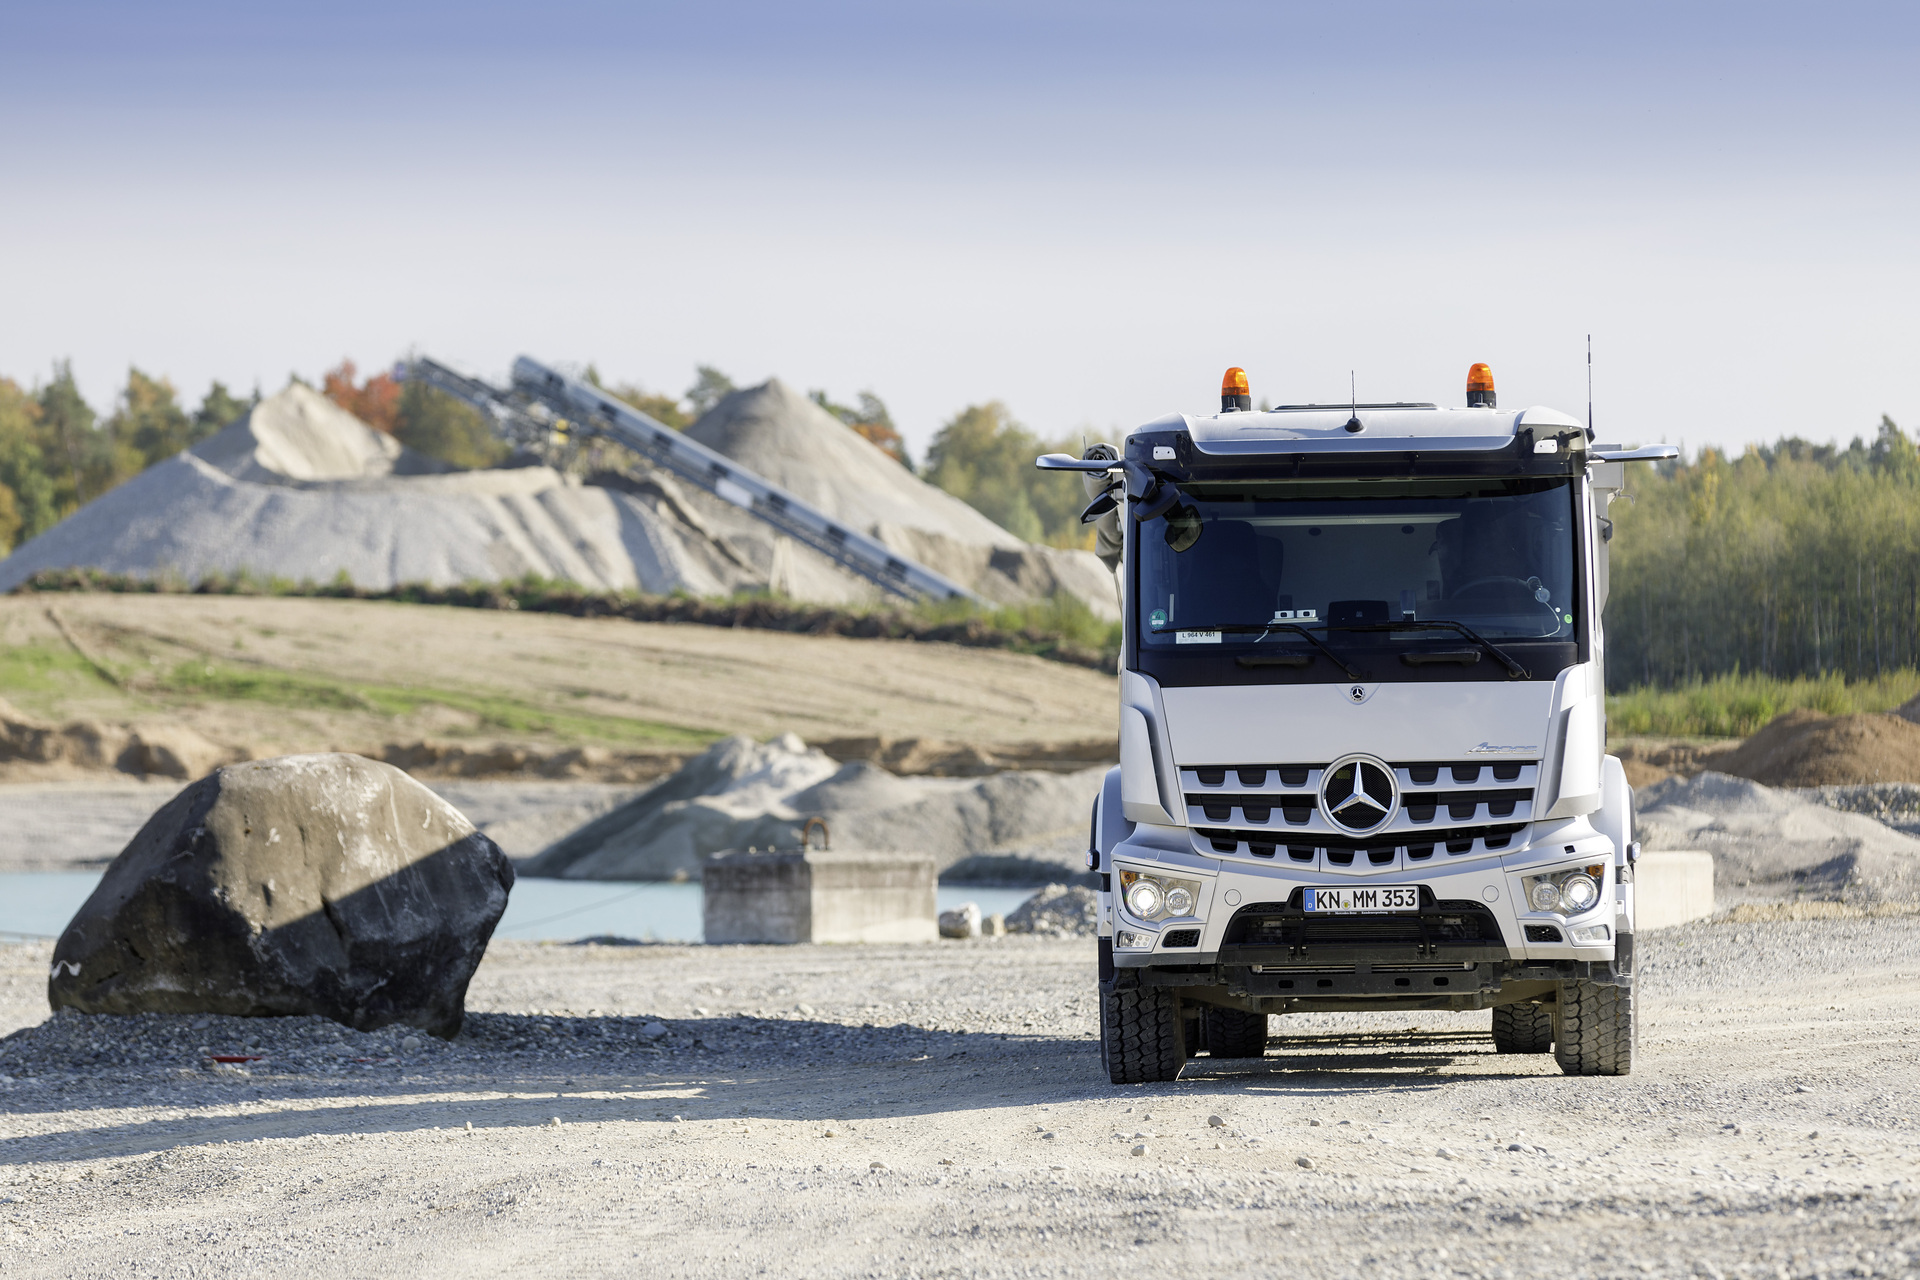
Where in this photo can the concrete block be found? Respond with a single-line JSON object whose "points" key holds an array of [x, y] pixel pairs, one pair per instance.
{"points": [[818, 896], [1672, 888]]}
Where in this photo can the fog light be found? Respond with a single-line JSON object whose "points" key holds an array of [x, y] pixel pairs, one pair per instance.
{"points": [[1578, 893], [1591, 933], [1143, 899], [1179, 901], [1545, 895], [1128, 940]]}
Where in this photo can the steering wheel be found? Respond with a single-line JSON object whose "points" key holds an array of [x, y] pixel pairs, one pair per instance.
{"points": [[1531, 586]]}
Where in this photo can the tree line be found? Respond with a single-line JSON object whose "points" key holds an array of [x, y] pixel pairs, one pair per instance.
{"points": [[1791, 560], [57, 453]]}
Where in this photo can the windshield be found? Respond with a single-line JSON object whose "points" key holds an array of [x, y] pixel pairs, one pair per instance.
{"points": [[1495, 555]]}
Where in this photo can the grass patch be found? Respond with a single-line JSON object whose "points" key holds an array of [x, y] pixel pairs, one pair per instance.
{"points": [[299, 691], [1734, 706], [37, 678]]}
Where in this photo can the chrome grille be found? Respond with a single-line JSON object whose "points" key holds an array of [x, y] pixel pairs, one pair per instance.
{"points": [[1448, 809]]}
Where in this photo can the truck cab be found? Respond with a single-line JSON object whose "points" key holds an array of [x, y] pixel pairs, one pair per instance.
{"points": [[1362, 729]]}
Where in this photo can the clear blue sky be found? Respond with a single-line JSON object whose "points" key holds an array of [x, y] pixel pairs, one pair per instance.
{"points": [[1085, 210]]}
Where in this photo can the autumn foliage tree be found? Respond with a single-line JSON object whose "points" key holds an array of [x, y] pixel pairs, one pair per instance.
{"points": [[375, 402]]}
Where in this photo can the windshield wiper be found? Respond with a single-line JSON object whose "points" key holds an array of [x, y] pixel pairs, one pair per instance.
{"points": [[1514, 669], [1261, 628]]}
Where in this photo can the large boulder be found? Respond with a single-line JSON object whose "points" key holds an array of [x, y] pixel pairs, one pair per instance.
{"points": [[317, 884]]}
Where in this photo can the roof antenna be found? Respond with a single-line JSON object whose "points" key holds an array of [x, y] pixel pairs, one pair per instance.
{"points": [[1589, 388], [1354, 423]]}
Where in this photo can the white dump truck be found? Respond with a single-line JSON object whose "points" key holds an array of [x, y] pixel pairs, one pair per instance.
{"points": [[1362, 728]]}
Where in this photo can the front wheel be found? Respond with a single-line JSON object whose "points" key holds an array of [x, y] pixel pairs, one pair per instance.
{"points": [[1522, 1028], [1596, 1032], [1143, 1037]]}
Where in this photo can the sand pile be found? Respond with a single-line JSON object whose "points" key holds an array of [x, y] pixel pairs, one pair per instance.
{"points": [[301, 489], [1013, 827], [1797, 749], [794, 443], [1807, 749], [1772, 844]]}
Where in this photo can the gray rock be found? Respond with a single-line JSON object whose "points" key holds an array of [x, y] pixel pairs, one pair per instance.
{"points": [[961, 922], [318, 884], [1058, 910]]}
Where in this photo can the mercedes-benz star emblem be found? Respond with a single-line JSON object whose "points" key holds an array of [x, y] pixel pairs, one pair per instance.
{"points": [[1359, 794]]}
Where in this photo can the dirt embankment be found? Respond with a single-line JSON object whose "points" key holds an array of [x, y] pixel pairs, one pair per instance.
{"points": [[35, 751], [449, 693], [1797, 749]]}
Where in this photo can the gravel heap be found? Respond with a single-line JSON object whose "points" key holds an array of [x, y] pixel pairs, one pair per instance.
{"points": [[301, 489], [1895, 803], [789, 440], [1770, 844], [1059, 911], [1014, 827]]}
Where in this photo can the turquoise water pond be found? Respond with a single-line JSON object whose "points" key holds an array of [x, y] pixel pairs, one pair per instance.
{"points": [[38, 904]]}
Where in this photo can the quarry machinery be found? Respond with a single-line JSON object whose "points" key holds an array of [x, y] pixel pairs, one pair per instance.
{"points": [[1362, 728], [544, 404]]}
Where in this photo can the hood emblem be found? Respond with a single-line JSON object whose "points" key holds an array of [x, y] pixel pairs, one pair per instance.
{"points": [[1358, 693], [1359, 794]]}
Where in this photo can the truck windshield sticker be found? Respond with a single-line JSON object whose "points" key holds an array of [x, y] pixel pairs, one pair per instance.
{"points": [[1197, 637]]}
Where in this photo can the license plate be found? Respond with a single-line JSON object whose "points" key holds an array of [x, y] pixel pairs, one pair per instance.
{"points": [[1380, 897]]}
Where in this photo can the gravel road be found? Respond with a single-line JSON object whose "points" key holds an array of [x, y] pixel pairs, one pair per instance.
{"points": [[939, 1111]]}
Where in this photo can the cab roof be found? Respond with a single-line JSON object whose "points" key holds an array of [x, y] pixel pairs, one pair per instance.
{"points": [[1384, 428]]}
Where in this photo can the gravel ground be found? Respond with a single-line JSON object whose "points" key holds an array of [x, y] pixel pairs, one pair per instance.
{"points": [[939, 1111]]}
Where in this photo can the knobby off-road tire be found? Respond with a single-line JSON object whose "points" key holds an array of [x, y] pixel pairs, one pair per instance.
{"points": [[1596, 1033], [1143, 1037], [1235, 1033], [1522, 1028]]}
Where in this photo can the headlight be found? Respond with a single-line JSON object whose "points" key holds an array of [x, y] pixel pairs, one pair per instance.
{"points": [[1590, 933], [1143, 899], [1572, 892], [1128, 940], [1157, 897], [1578, 893]]}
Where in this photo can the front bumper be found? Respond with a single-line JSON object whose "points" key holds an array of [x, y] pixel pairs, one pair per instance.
{"points": [[1474, 923]]}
